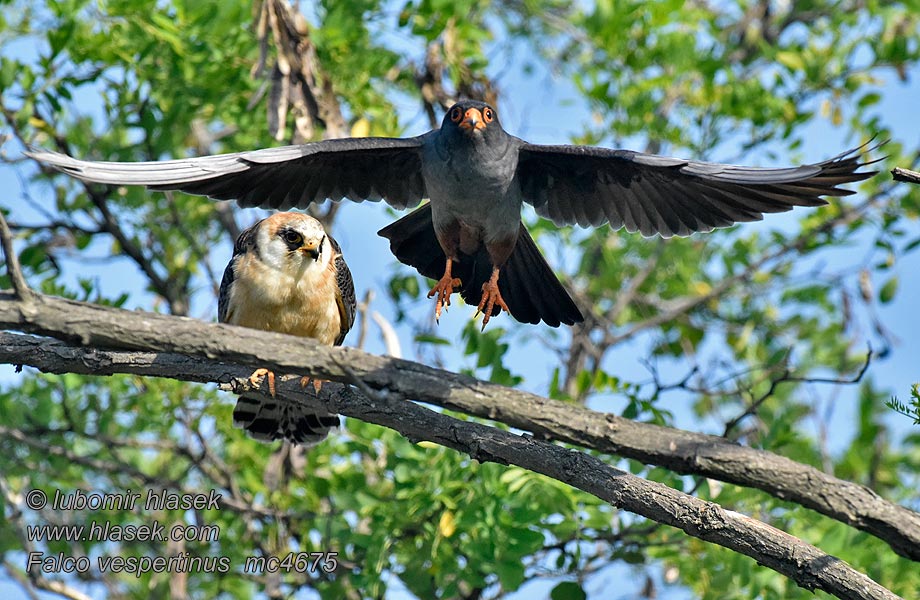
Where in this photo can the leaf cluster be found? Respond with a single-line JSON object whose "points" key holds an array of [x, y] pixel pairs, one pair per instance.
{"points": [[731, 325]]}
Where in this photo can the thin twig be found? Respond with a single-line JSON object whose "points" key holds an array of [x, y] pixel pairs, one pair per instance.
{"points": [[906, 175], [13, 268], [786, 377], [22, 580], [364, 307], [388, 333], [33, 579], [686, 304]]}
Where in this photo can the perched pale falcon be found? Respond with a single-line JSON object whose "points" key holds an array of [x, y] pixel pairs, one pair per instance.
{"points": [[477, 176], [287, 275]]}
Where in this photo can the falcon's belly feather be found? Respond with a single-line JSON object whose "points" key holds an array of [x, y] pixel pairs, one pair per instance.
{"points": [[272, 300]]}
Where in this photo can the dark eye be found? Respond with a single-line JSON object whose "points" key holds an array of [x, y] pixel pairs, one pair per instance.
{"points": [[488, 115], [292, 237], [456, 114]]}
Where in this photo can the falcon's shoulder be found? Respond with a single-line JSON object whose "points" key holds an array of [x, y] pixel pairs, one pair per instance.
{"points": [[345, 291], [244, 244]]}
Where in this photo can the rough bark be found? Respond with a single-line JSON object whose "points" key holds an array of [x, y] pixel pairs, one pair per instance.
{"points": [[681, 451], [805, 564], [905, 175]]}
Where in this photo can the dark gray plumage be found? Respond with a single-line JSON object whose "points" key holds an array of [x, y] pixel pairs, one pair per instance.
{"points": [[477, 176]]}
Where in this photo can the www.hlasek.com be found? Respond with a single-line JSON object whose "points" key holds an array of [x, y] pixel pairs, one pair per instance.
{"points": [[154, 531], [96, 531]]}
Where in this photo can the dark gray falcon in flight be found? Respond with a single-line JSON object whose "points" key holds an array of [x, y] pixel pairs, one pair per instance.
{"points": [[469, 237]]}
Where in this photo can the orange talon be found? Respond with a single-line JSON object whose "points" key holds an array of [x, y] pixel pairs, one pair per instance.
{"points": [[490, 297], [444, 288], [257, 376], [317, 383]]}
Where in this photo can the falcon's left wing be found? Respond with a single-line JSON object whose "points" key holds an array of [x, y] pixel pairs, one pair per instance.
{"points": [[653, 194], [345, 294], [284, 177]]}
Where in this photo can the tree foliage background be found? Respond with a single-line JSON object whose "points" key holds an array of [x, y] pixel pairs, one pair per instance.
{"points": [[736, 328]]}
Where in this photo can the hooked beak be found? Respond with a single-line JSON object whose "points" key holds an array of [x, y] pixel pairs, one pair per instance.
{"points": [[472, 121], [313, 248]]}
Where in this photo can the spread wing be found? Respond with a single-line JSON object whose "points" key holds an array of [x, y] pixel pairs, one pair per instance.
{"points": [[246, 242], [285, 177], [655, 194], [345, 294]]}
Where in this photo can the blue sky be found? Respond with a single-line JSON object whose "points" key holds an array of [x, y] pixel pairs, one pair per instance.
{"points": [[371, 263]]}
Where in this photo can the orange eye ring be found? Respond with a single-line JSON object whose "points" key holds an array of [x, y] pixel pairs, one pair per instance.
{"points": [[456, 114], [488, 115]]}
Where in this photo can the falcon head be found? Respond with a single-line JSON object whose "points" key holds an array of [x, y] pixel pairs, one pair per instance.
{"points": [[472, 120], [293, 243]]}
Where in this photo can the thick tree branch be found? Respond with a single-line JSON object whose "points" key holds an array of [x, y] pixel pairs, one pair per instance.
{"points": [[684, 452], [808, 566]]}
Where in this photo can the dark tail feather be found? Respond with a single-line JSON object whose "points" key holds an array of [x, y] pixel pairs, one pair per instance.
{"points": [[531, 289], [268, 419], [527, 283], [413, 242]]}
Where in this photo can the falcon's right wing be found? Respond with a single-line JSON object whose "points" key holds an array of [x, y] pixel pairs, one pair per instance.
{"points": [[652, 194]]}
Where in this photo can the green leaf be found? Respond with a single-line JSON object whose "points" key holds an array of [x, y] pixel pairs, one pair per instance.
{"points": [[510, 574], [869, 99], [886, 294], [793, 60], [8, 69], [424, 338], [568, 590]]}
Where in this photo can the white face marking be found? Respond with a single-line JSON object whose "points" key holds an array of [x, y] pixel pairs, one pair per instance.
{"points": [[285, 286], [279, 247]]}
